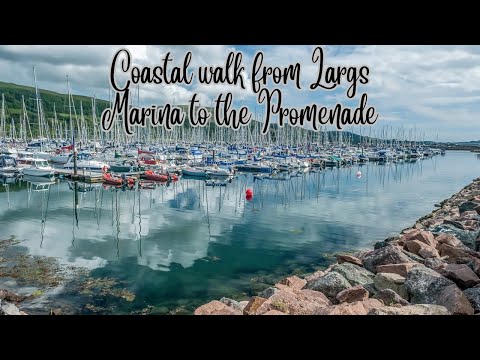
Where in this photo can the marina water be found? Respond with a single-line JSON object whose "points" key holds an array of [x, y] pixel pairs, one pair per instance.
{"points": [[178, 246]]}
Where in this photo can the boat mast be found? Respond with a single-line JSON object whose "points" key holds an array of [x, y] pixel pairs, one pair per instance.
{"points": [[73, 129]]}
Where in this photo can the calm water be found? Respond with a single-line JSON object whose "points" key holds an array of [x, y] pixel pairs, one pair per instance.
{"points": [[176, 247]]}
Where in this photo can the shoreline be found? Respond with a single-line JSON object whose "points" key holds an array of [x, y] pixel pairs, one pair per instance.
{"points": [[430, 268]]}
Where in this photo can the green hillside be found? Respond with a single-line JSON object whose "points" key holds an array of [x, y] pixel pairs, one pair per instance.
{"points": [[13, 103]]}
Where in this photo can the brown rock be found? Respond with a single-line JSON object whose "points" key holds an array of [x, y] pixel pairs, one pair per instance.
{"points": [[455, 301], [11, 297], [253, 305], [355, 293], [216, 308], [294, 282], [408, 235], [295, 302], [355, 308], [390, 298], [350, 259], [400, 269], [416, 246], [370, 304], [315, 276], [425, 237], [452, 253], [449, 239], [409, 231], [274, 312], [461, 274], [428, 252], [436, 264]]}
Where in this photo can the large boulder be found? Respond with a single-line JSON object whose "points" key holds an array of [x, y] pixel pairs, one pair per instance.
{"points": [[315, 276], [467, 237], [8, 309], [467, 206], [355, 308], [330, 284], [390, 297], [349, 259], [216, 308], [447, 238], [386, 255], [424, 285], [253, 305], [391, 281], [232, 303], [355, 275], [425, 237], [473, 295], [355, 293], [293, 282], [455, 301], [11, 297], [452, 254], [462, 275], [400, 269], [295, 302], [419, 248], [435, 264], [419, 309], [268, 292]]}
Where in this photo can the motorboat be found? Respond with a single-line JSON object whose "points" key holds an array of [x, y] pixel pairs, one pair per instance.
{"points": [[39, 168]]}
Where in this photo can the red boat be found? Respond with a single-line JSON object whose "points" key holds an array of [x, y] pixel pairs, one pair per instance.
{"points": [[110, 180], [150, 175]]}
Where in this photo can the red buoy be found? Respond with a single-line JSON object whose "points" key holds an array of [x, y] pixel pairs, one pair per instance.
{"points": [[249, 197], [249, 192]]}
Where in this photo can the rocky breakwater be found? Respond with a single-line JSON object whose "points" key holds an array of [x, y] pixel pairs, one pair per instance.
{"points": [[432, 268], [9, 301]]}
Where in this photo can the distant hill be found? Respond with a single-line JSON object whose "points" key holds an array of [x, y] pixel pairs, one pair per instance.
{"points": [[13, 103]]}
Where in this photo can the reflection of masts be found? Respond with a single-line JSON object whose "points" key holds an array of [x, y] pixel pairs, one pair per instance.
{"points": [[75, 210], [139, 227], [117, 219], [44, 214]]}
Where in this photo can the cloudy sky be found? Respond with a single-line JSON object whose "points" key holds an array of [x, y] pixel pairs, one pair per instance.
{"points": [[432, 90]]}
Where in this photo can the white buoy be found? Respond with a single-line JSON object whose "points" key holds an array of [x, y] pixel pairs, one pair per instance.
{"points": [[359, 173]]}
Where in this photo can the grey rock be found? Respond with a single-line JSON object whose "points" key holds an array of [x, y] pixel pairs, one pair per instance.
{"points": [[330, 284], [386, 255], [424, 285], [420, 309], [391, 281], [229, 302], [473, 295], [268, 292], [467, 206], [390, 297], [355, 274], [435, 263], [465, 236], [8, 309], [412, 257]]}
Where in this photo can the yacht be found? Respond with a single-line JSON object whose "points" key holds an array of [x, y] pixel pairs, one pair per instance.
{"points": [[85, 161], [39, 168]]}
